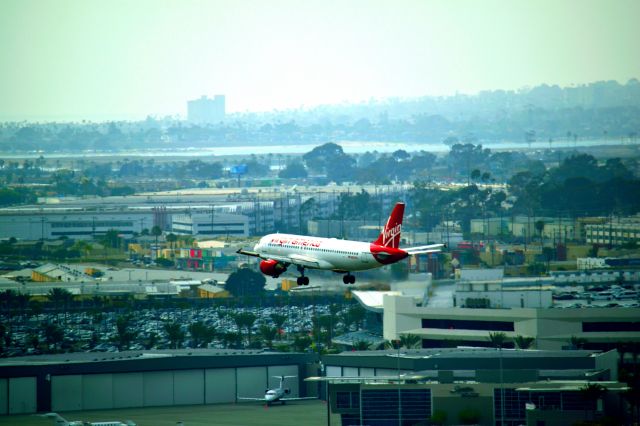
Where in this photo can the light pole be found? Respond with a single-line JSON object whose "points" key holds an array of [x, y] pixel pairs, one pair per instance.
{"points": [[501, 385]]}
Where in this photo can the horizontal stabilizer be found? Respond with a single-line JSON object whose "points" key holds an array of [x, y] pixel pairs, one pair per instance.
{"points": [[432, 248]]}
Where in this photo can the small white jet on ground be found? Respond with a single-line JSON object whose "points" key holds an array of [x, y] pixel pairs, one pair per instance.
{"points": [[278, 394], [58, 420], [279, 251]]}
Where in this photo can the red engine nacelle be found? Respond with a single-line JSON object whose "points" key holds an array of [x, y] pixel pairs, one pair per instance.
{"points": [[273, 268]]}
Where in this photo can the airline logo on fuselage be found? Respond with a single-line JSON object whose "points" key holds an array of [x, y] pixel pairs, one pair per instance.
{"points": [[294, 242], [389, 235]]}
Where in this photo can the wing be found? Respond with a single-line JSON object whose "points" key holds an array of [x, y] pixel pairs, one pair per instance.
{"points": [[248, 253], [432, 248], [298, 399], [250, 399], [296, 259]]}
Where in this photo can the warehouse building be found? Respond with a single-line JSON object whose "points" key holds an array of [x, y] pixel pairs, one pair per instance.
{"points": [[91, 381]]}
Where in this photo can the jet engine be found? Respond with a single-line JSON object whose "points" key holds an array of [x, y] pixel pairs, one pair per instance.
{"points": [[273, 268]]}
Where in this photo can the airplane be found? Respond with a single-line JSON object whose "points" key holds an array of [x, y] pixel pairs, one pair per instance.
{"points": [[277, 394], [58, 420], [279, 251]]}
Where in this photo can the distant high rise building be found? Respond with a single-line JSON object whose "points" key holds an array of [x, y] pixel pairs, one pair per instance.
{"points": [[205, 110]]}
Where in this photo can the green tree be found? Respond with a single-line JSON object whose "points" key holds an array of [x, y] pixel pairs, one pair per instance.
{"points": [[497, 339], [410, 341], [293, 170], [53, 335], [245, 282], [201, 334], [231, 339], [523, 342], [577, 342], [112, 239], [60, 298], [361, 345], [591, 393], [278, 322], [156, 231], [539, 225], [268, 334], [469, 416], [439, 417], [245, 320], [124, 334], [301, 343], [174, 334], [171, 239], [150, 341]]}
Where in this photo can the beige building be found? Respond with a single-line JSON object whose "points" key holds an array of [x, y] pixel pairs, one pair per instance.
{"points": [[551, 328], [614, 232]]}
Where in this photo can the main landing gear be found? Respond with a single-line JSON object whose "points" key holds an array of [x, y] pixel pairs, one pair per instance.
{"points": [[302, 280], [349, 279]]}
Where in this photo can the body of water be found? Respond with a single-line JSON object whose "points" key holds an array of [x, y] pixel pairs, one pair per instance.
{"points": [[350, 147]]}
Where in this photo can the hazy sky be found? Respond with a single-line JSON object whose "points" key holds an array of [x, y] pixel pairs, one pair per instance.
{"points": [[75, 59]]}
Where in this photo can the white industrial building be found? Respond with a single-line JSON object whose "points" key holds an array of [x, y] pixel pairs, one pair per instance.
{"points": [[78, 224], [211, 224]]}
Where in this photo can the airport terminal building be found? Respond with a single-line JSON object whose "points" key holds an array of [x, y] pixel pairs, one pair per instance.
{"points": [[552, 328]]}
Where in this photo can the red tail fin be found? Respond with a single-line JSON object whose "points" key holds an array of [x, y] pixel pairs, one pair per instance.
{"points": [[390, 235]]}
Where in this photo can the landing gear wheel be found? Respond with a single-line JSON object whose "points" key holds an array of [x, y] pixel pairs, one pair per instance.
{"points": [[348, 279], [303, 280]]}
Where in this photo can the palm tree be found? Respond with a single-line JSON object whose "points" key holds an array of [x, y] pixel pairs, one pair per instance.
{"points": [[201, 334], [246, 320], [523, 342], [231, 339], [361, 345], [410, 341], [124, 335], [592, 392], [60, 297], [578, 342], [268, 334], [497, 339], [53, 335], [301, 343], [156, 231], [278, 322], [171, 239], [539, 225], [174, 334]]}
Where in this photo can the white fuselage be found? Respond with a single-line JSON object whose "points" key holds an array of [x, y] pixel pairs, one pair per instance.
{"points": [[328, 253]]}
